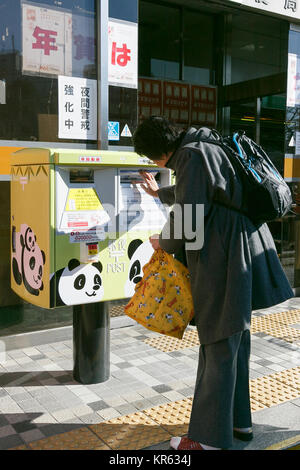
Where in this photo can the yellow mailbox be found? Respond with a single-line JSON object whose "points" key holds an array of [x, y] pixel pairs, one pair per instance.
{"points": [[80, 224]]}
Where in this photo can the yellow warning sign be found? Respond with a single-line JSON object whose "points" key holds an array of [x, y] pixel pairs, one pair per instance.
{"points": [[83, 199]]}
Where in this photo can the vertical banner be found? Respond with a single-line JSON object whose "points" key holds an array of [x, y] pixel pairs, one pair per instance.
{"points": [[176, 102], [122, 53], [46, 41], [77, 108], [293, 84], [149, 98]]}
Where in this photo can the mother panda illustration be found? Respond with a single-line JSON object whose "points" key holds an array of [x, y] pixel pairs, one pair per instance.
{"points": [[139, 253], [77, 284]]}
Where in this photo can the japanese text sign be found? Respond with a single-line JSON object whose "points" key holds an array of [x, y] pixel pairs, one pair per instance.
{"points": [[122, 53], [289, 8], [77, 108], [57, 42], [47, 41]]}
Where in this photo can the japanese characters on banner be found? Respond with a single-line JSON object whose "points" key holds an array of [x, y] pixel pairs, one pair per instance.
{"points": [[57, 42], [293, 83], [203, 105], [180, 102], [150, 98], [83, 45], [77, 108], [176, 99], [47, 40], [122, 53]]}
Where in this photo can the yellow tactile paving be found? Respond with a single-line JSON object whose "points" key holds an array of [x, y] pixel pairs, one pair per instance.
{"points": [[117, 310], [288, 317], [275, 327], [134, 431], [256, 405], [290, 377], [270, 392], [79, 439], [169, 344], [278, 325], [24, 447], [173, 417]]}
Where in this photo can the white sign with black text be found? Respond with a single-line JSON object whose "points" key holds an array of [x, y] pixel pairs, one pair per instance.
{"points": [[288, 8], [77, 108]]}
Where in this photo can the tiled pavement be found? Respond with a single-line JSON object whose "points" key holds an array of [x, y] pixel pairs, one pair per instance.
{"points": [[149, 390]]}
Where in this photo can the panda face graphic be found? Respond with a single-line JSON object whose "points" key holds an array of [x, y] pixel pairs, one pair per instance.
{"points": [[79, 283], [139, 253]]}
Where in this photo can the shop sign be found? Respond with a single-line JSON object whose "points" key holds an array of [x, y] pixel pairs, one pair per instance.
{"points": [[289, 8], [77, 108], [122, 53]]}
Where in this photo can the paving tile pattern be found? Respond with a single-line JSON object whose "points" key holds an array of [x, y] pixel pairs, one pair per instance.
{"points": [[148, 395]]}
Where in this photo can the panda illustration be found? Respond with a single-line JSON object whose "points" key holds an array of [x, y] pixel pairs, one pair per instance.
{"points": [[139, 253], [28, 260], [77, 284]]}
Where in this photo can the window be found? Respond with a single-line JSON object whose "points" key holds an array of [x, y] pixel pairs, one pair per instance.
{"points": [[39, 42], [198, 43], [159, 48], [258, 47]]}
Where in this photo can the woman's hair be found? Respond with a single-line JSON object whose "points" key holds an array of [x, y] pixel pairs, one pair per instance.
{"points": [[156, 136]]}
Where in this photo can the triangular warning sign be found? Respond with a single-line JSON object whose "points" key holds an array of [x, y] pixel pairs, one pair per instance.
{"points": [[126, 132], [292, 142]]}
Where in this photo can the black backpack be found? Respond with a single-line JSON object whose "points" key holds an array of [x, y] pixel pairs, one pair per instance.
{"points": [[266, 196]]}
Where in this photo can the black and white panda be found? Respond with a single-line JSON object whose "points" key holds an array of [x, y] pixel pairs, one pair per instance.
{"points": [[77, 284], [139, 253]]}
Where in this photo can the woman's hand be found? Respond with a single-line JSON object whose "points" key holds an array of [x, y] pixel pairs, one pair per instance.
{"points": [[154, 240], [150, 185]]}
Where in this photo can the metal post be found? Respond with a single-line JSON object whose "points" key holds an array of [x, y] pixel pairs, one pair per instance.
{"points": [[102, 72], [91, 322], [91, 343]]}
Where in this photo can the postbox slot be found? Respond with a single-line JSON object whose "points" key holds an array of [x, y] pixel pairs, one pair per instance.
{"points": [[81, 175]]}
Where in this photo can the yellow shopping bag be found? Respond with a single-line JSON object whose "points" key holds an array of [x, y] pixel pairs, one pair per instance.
{"points": [[163, 300]]}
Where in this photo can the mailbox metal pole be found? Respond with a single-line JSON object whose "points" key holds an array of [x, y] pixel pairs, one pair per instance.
{"points": [[91, 322], [91, 343]]}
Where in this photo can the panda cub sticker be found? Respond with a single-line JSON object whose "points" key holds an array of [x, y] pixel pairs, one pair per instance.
{"points": [[139, 253], [27, 260], [77, 284]]}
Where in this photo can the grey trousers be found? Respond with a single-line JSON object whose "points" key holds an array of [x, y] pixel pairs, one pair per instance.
{"points": [[221, 398]]}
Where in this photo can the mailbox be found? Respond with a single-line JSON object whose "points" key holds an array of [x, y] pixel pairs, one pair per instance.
{"points": [[80, 224]]}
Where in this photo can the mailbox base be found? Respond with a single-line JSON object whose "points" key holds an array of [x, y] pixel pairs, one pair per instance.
{"points": [[91, 343]]}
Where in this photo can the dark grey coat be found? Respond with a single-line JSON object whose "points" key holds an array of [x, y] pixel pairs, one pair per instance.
{"points": [[237, 270]]}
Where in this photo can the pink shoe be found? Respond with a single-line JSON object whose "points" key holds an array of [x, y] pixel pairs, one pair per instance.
{"points": [[184, 443]]}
